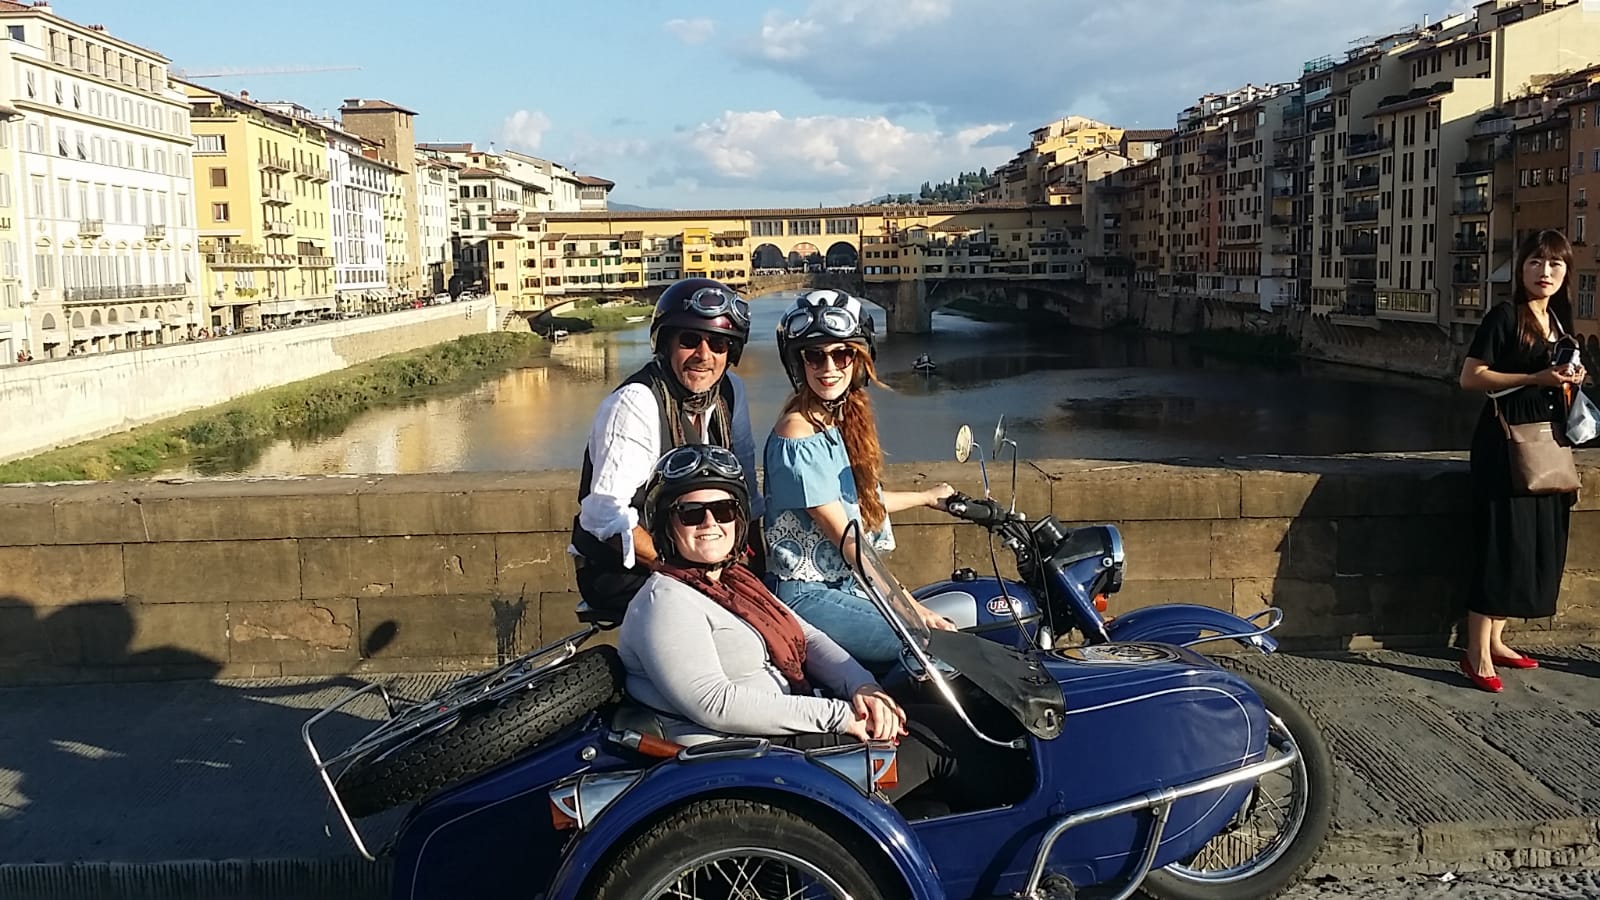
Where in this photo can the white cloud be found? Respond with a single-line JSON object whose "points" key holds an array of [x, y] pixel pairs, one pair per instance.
{"points": [[524, 129], [1033, 60], [865, 22], [691, 31], [819, 157]]}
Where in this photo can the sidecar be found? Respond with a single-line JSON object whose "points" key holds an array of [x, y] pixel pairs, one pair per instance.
{"points": [[1140, 755]]}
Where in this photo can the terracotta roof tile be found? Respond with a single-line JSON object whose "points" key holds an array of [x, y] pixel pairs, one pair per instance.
{"points": [[375, 106]]}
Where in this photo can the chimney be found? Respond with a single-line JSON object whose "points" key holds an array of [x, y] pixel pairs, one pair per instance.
{"points": [[244, 95]]}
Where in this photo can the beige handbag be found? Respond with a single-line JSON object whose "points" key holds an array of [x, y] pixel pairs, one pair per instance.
{"points": [[1540, 462]]}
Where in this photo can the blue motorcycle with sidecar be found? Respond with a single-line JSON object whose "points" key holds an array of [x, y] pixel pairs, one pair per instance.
{"points": [[541, 779]]}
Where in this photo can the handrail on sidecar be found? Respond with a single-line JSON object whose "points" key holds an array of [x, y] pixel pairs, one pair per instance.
{"points": [[408, 721], [1160, 802]]}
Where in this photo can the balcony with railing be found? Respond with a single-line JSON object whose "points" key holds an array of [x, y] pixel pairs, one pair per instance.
{"points": [[1322, 123], [310, 171], [308, 261], [233, 259], [101, 293], [1286, 161], [275, 163], [155, 232], [1469, 244], [1363, 178], [1476, 205], [275, 196], [1362, 246], [1365, 145], [277, 227], [1492, 127], [1474, 167], [1290, 133], [1362, 270], [1361, 212], [1466, 274], [1280, 221], [91, 228]]}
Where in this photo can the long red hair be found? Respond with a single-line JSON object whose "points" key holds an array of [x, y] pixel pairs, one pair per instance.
{"points": [[859, 428]]}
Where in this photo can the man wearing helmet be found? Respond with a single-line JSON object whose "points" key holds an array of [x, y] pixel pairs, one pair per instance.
{"points": [[684, 395]]}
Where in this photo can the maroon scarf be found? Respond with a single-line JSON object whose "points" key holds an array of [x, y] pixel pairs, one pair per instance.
{"points": [[740, 592]]}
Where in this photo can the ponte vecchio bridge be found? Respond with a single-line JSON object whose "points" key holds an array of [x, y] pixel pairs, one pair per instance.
{"points": [[908, 259]]}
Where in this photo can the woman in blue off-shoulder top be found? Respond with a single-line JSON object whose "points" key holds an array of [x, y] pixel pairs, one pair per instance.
{"points": [[821, 468]]}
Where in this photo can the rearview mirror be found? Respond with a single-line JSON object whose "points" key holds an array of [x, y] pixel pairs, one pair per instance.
{"points": [[963, 444], [999, 442]]}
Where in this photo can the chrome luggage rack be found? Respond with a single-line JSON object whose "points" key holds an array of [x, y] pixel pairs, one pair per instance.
{"points": [[408, 721]]}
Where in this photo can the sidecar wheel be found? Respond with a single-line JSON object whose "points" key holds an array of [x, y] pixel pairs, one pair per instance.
{"points": [[1217, 872], [748, 849], [483, 737]]}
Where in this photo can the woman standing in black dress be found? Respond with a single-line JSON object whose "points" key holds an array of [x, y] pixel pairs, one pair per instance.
{"points": [[1519, 541]]}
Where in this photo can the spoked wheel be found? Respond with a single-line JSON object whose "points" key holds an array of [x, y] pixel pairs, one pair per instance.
{"points": [[1278, 832], [743, 850]]}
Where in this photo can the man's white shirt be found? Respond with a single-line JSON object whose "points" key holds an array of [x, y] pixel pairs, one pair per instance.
{"points": [[624, 446]]}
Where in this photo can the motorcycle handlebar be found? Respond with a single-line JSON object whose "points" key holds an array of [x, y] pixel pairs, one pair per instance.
{"points": [[979, 511]]}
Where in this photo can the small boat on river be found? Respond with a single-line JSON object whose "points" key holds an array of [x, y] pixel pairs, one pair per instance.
{"points": [[924, 364]]}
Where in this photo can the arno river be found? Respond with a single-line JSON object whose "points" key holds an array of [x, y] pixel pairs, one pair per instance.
{"points": [[1063, 395]]}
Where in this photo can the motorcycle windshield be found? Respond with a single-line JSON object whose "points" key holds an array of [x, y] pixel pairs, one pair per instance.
{"points": [[891, 598]]}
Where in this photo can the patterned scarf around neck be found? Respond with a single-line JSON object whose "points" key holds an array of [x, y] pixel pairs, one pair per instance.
{"points": [[740, 592]]}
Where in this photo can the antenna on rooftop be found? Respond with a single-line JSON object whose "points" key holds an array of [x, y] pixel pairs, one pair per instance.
{"points": [[271, 70]]}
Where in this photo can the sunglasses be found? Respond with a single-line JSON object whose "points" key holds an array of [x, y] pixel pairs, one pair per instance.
{"points": [[691, 340], [690, 515], [843, 357]]}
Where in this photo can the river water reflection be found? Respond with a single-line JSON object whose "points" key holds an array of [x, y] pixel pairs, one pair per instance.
{"points": [[1064, 395]]}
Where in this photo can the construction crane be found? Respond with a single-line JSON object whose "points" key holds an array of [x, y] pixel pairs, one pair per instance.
{"points": [[276, 70]]}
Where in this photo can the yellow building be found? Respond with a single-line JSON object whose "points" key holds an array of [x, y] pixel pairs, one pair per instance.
{"points": [[261, 179], [398, 231]]}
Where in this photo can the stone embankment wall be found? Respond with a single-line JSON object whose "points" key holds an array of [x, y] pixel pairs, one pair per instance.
{"points": [[1411, 348], [48, 404], [339, 575]]}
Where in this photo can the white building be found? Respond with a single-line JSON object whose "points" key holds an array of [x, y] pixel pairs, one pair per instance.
{"points": [[437, 209], [102, 170], [355, 195]]}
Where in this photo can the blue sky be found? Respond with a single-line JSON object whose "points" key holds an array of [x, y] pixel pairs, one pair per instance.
{"points": [[764, 103]]}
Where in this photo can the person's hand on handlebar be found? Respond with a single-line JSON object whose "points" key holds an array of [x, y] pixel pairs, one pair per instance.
{"points": [[935, 496]]}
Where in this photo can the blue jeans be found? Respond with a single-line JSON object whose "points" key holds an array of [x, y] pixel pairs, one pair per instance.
{"points": [[847, 617]]}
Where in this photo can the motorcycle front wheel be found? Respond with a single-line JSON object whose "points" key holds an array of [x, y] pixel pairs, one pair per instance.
{"points": [[1278, 832]]}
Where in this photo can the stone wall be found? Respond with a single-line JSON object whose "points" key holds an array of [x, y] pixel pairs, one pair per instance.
{"points": [[63, 401], [365, 574], [1411, 348]]}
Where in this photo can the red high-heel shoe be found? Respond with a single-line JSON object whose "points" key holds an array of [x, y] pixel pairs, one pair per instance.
{"points": [[1490, 683], [1516, 662]]}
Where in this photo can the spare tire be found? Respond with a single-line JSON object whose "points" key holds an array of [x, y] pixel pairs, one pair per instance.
{"points": [[483, 737]]}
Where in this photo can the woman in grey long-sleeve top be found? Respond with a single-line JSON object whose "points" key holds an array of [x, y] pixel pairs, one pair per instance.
{"points": [[707, 645]]}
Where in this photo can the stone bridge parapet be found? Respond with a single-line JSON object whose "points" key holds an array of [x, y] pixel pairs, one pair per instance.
{"points": [[336, 575]]}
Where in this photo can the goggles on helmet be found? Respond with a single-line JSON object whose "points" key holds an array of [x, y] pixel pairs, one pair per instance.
{"points": [[711, 302], [686, 461], [833, 321]]}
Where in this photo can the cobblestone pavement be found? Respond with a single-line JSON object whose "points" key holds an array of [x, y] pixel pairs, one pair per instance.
{"points": [[1519, 884]]}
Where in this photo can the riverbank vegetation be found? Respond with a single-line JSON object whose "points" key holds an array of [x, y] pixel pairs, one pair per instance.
{"points": [[301, 405]]}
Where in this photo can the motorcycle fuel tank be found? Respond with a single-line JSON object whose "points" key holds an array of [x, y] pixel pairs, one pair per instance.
{"points": [[978, 605]]}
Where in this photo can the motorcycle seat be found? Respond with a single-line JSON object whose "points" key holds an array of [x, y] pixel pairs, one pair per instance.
{"points": [[630, 716], [605, 620]]}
